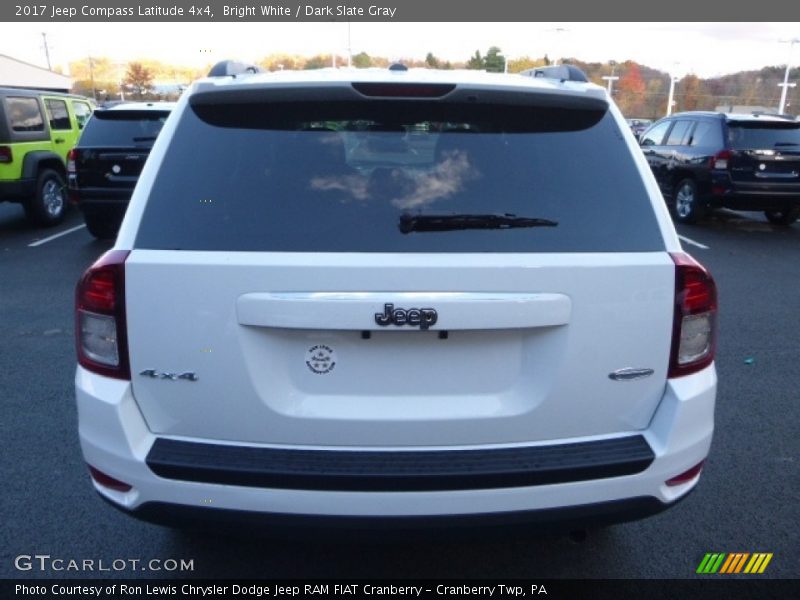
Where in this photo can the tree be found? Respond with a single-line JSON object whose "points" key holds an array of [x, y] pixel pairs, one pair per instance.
{"points": [[494, 62], [631, 98], [362, 60], [476, 62], [139, 77], [320, 61], [431, 61]]}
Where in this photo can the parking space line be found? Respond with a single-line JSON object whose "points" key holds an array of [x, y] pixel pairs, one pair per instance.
{"points": [[693, 243], [53, 237]]}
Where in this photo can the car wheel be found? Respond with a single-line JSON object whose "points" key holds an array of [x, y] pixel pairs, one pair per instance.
{"points": [[782, 217], [687, 204], [49, 206], [102, 229]]}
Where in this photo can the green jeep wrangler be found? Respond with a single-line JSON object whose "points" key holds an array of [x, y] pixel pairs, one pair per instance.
{"points": [[37, 130]]}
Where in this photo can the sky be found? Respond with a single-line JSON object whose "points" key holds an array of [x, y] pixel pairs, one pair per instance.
{"points": [[704, 49]]}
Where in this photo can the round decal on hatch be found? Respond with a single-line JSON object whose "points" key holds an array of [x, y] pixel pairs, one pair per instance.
{"points": [[321, 359]]}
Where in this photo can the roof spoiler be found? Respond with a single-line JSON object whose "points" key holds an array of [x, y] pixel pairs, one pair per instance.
{"points": [[232, 68], [560, 72]]}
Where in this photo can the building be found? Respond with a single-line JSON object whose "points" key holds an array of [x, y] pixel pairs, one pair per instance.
{"points": [[15, 73]]}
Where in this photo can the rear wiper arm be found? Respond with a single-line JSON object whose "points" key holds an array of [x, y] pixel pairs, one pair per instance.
{"points": [[409, 223], [150, 138]]}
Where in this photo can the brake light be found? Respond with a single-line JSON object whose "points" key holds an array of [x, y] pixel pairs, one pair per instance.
{"points": [[720, 159], [695, 317], [72, 156], [100, 326], [403, 90], [5, 154]]}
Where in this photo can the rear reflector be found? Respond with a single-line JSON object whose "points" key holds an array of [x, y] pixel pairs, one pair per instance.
{"points": [[686, 476], [100, 326], [107, 481], [71, 156], [694, 321], [404, 90], [6, 155]]}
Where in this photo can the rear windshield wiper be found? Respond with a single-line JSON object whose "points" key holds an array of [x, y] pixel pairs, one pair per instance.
{"points": [[785, 144], [409, 223], [151, 138]]}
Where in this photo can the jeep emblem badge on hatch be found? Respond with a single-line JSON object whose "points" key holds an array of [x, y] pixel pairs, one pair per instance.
{"points": [[414, 317]]}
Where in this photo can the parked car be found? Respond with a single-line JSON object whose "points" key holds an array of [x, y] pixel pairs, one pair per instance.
{"points": [[638, 126], [707, 160], [105, 165], [37, 130], [310, 315]]}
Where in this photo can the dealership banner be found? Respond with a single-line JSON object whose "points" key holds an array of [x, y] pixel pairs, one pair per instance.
{"points": [[394, 10]]}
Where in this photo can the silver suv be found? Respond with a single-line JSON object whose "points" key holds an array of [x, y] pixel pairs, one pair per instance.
{"points": [[402, 295]]}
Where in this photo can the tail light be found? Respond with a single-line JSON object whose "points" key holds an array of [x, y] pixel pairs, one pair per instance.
{"points": [[695, 320], [720, 160], [100, 328], [72, 155], [6, 156]]}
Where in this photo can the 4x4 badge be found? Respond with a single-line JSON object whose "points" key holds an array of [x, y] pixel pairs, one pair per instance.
{"points": [[414, 317], [186, 375]]}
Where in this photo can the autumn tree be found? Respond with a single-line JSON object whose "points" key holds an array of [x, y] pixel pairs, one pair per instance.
{"points": [[630, 97], [138, 77]]}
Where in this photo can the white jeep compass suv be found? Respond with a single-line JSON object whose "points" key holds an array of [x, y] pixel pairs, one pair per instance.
{"points": [[395, 296]]}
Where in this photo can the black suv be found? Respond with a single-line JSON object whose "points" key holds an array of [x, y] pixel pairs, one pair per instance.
{"points": [[705, 160], [105, 165]]}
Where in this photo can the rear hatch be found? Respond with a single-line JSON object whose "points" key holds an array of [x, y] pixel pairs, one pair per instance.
{"points": [[114, 147], [764, 151], [350, 271]]}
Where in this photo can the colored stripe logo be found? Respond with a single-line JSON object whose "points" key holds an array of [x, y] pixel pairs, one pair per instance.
{"points": [[736, 562]]}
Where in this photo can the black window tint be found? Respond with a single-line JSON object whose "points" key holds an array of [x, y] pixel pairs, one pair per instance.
{"points": [[125, 128], [24, 114], [769, 135], [678, 133], [655, 136], [59, 117], [347, 184], [707, 134]]}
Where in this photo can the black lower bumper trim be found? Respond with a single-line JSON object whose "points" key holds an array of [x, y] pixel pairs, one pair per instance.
{"points": [[543, 520], [384, 471]]}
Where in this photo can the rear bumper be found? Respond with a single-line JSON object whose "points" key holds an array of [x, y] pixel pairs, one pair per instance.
{"points": [[754, 196], [90, 199], [115, 439], [17, 189]]}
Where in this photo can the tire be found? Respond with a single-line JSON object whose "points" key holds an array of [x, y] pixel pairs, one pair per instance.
{"points": [[102, 229], [784, 218], [49, 205], [686, 202]]}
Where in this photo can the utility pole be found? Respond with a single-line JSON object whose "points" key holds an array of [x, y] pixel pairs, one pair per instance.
{"points": [[611, 78], [670, 101], [349, 47], [91, 76], [46, 51], [786, 85]]}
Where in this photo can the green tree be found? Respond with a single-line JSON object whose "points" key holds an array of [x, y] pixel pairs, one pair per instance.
{"points": [[476, 62], [320, 61], [494, 62], [362, 60], [431, 61], [140, 78]]}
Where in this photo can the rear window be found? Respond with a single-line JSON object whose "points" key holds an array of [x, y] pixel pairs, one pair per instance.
{"points": [[397, 176], [125, 128], [763, 135]]}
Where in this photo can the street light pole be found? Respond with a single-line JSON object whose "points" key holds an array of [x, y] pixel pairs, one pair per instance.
{"points": [[611, 78], [670, 101], [786, 85]]}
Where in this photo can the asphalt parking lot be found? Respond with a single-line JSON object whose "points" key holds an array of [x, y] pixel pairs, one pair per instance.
{"points": [[748, 499]]}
